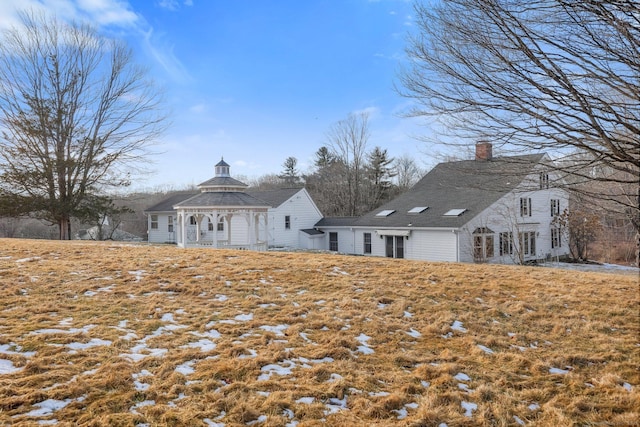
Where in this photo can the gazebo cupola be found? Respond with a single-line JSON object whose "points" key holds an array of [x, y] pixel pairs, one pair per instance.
{"points": [[222, 168], [222, 181]]}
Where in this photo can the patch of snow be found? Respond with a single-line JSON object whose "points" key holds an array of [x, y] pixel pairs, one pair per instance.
{"points": [[485, 349], [94, 342], [244, 317], [271, 369], [306, 400], [252, 354], [425, 384], [186, 368], [137, 273], [336, 405], [211, 423], [468, 407], [203, 344], [141, 405], [31, 259], [47, 407], [457, 326], [415, 334], [407, 314], [334, 377], [518, 420], [534, 407], [260, 419], [460, 376], [7, 367], [627, 386], [364, 348], [17, 349], [278, 330], [558, 371]]}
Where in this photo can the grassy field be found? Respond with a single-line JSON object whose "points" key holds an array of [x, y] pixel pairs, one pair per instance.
{"points": [[111, 334]]}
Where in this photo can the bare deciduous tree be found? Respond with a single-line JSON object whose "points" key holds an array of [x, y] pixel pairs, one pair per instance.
{"points": [[407, 172], [77, 115], [348, 140], [554, 75]]}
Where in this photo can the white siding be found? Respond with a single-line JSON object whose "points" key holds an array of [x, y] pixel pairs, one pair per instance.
{"points": [[432, 245], [162, 234], [303, 214], [426, 245], [505, 215]]}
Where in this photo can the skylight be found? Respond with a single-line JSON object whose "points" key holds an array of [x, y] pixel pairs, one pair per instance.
{"points": [[418, 209], [385, 212], [454, 212]]}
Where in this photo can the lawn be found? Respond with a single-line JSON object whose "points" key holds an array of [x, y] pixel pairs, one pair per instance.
{"points": [[115, 334]]}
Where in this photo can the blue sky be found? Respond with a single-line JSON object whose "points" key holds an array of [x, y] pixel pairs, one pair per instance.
{"points": [[257, 81]]}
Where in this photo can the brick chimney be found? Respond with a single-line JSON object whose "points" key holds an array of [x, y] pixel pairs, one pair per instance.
{"points": [[484, 151]]}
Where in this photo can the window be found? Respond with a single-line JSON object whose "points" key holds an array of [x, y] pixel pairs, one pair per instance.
{"points": [[192, 220], [367, 243], [210, 226], [221, 224], [154, 222], [483, 244], [385, 212], [555, 207], [417, 210], [287, 222], [454, 212], [333, 241], [525, 206], [394, 247], [544, 180], [506, 243], [556, 238], [170, 224], [528, 243]]}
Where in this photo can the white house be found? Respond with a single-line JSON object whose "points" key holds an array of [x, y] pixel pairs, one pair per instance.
{"points": [[224, 214], [496, 210]]}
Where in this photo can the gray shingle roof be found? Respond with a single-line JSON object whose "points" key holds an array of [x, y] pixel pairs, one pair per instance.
{"points": [[223, 181], [274, 197], [471, 185], [167, 204], [222, 198]]}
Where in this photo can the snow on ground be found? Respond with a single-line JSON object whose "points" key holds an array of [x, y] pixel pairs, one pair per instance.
{"points": [[143, 379]]}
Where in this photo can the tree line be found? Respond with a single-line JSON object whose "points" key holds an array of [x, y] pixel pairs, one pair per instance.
{"points": [[347, 178]]}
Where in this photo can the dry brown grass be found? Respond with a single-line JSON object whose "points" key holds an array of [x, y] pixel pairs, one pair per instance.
{"points": [[199, 337]]}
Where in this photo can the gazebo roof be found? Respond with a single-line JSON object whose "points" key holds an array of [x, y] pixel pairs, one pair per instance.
{"points": [[222, 199]]}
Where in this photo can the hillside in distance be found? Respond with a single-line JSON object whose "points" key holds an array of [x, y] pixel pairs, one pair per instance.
{"points": [[101, 333]]}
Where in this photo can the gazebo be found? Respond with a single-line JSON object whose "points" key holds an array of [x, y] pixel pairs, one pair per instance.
{"points": [[222, 215]]}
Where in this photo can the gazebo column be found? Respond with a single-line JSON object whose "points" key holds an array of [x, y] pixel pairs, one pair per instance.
{"points": [[199, 218], [215, 220], [265, 230], [228, 219], [183, 229]]}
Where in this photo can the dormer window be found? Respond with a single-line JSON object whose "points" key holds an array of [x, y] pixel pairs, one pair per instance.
{"points": [[544, 180]]}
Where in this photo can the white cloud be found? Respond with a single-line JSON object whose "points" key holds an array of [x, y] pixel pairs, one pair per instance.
{"points": [[105, 14], [198, 108], [373, 112], [173, 4], [109, 12]]}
